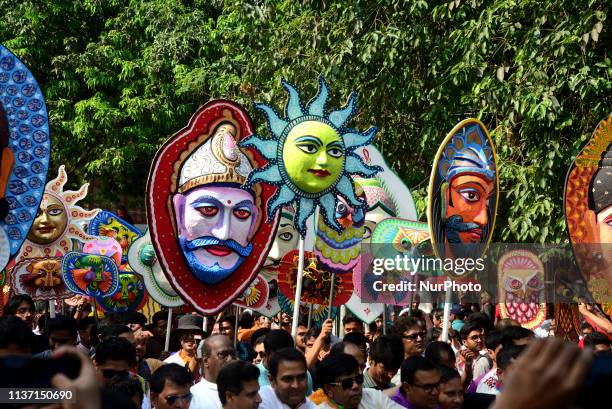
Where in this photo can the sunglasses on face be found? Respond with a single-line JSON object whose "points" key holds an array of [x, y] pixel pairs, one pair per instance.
{"points": [[413, 337], [347, 383], [111, 373], [173, 399]]}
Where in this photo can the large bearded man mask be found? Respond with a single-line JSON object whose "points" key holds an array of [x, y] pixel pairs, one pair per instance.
{"points": [[205, 225], [215, 218]]}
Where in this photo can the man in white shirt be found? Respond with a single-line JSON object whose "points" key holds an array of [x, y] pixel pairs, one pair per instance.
{"points": [[217, 352], [288, 382], [343, 386]]}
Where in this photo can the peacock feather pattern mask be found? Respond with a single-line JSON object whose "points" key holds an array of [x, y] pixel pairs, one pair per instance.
{"points": [[311, 156]]}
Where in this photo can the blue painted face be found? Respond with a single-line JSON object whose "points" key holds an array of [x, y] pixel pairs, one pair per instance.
{"points": [[215, 226]]}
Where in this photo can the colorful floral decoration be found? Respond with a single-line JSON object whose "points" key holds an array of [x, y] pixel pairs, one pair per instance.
{"points": [[208, 229], [143, 261], [58, 221], [463, 192], [588, 212], [40, 278], [130, 296], [24, 152], [521, 288], [90, 275], [311, 156], [108, 224]]}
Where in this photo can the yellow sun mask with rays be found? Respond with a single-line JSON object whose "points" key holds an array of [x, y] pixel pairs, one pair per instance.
{"points": [[58, 222], [313, 155]]}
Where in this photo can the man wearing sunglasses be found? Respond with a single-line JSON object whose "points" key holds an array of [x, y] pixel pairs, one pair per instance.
{"points": [[170, 387], [420, 384], [342, 386], [114, 357], [217, 352]]}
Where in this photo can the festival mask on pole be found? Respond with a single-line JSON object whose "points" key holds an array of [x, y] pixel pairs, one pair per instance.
{"points": [[206, 227], [58, 221], [463, 193], [90, 275], [521, 282], [130, 295], [311, 157], [24, 152], [143, 260], [338, 252], [40, 278], [108, 224], [588, 212]]}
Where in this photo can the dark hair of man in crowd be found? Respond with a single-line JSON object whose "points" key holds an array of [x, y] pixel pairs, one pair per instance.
{"points": [[85, 322], [285, 355], [113, 330], [63, 323], [356, 338], [15, 301], [596, 338], [404, 323], [126, 387], [228, 318], [233, 376], [259, 334], [388, 350], [469, 327], [14, 331], [507, 354], [246, 320], [313, 332], [159, 316], [174, 373], [413, 364], [433, 334], [514, 333], [350, 318], [493, 339], [481, 319], [447, 374], [115, 349], [276, 340], [335, 366], [135, 317], [435, 351]]}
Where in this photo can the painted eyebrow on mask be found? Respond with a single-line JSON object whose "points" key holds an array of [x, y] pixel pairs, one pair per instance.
{"points": [[335, 144], [307, 138], [204, 200]]}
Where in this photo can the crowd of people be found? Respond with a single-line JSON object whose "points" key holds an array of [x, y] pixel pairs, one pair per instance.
{"points": [[250, 361]]}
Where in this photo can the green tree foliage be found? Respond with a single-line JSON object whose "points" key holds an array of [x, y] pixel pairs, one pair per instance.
{"points": [[120, 77]]}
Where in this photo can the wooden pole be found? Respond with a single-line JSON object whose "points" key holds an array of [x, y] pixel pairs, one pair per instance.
{"points": [[298, 289]]}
